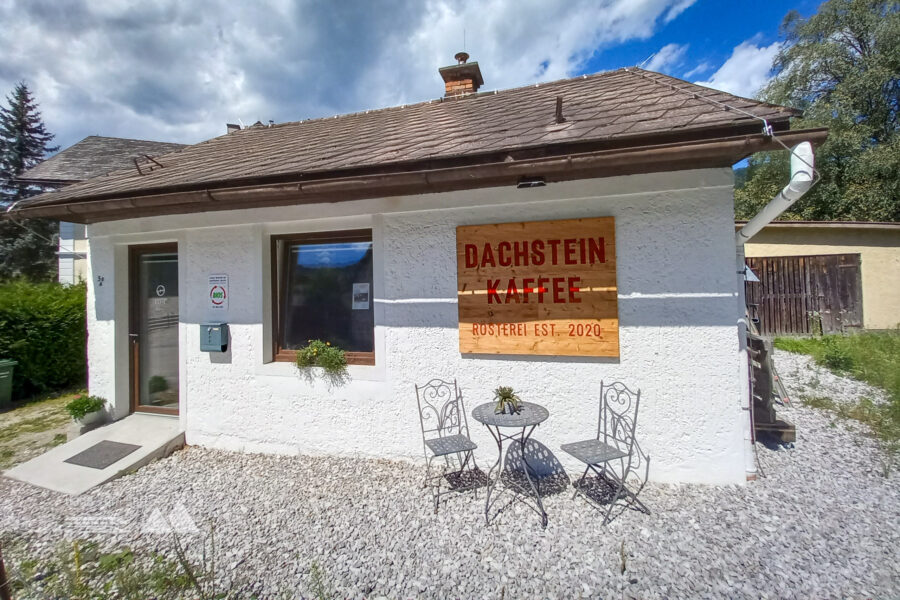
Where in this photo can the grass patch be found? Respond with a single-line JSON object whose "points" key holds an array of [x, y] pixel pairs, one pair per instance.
{"points": [[870, 357], [82, 570], [820, 402], [30, 429]]}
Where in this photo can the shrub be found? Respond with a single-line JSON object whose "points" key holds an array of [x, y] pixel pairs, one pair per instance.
{"points": [[84, 404], [157, 383], [42, 327], [322, 354], [836, 356]]}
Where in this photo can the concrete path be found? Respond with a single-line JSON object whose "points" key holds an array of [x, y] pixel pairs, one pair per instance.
{"points": [[157, 436]]}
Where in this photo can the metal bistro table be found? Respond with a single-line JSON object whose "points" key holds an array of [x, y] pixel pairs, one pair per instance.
{"points": [[530, 416]]}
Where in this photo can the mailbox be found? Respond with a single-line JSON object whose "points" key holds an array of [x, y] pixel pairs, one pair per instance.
{"points": [[213, 337]]}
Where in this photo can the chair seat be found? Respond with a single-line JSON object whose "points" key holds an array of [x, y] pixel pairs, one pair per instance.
{"points": [[450, 445], [593, 452]]}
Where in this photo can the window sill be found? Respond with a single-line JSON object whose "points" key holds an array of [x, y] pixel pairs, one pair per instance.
{"points": [[280, 368], [353, 358]]}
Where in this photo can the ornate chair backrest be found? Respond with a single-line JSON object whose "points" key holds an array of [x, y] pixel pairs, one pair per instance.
{"points": [[618, 416], [441, 411]]}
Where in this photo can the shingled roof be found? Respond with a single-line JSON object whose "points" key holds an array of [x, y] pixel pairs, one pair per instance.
{"points": [[93, 156], [452, 143]]}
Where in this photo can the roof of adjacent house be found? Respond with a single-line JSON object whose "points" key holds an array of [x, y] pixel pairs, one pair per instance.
{"points": [[94, 155], [488, 138]]}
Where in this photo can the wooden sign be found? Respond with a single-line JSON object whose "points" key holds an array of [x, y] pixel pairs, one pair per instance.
{"points": [[542, 287]]}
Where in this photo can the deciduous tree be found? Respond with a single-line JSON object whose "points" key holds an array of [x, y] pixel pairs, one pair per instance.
{"points": [[842, 68]]}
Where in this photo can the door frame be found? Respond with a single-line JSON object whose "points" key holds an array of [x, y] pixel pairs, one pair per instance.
{"points": [[134, 357]]}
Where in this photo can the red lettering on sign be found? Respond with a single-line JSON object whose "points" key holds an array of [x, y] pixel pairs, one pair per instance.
{"points": [[492, 291], [573, 289], [512, 292], [537, 252], [502, 258], [558, 290], [487, 256], [570, 251], [526, 288], [520, 251], [541, 289], [598, 250], [471, 256], [554, 245]]}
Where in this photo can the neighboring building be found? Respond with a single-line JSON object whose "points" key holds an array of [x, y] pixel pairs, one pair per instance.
{"points": [[546, 237], [858, 264], [91, 157]]}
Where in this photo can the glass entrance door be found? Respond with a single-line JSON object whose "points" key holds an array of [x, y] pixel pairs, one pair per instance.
{"points": [[154, 328]]}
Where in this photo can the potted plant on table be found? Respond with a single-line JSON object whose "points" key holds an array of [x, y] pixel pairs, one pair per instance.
{"points": [[507, 401], [87, 410]]}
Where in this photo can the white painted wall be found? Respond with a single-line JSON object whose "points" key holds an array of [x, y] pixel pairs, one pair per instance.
{"points": [[677, 310]]}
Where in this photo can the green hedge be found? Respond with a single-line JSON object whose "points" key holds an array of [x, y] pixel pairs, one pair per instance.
{"points": [[42, 327]]}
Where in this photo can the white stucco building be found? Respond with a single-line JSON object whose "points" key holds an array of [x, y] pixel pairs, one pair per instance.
{"points": [[384, 193]]}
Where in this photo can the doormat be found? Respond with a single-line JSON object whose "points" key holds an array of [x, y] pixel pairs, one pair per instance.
{"points": [[102, 454]]}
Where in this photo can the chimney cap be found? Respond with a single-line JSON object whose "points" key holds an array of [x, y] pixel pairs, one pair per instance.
{"points": [[462, 70]]}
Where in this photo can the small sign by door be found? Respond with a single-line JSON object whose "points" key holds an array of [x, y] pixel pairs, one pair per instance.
{"points": [[218, 292]]}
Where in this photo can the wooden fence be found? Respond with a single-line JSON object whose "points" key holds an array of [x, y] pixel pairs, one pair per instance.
{"points": [[795, 292]]}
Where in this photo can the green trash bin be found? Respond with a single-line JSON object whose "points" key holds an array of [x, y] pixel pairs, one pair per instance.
{"points": [[6, 373]]}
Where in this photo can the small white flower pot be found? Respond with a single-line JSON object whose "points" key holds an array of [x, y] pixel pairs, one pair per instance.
{"points": [[91, 419]]}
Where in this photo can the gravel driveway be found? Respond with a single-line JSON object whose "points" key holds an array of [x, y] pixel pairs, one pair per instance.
{"points": [[821, 523]]}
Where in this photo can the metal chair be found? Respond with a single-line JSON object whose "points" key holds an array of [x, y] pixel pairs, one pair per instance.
{"points": [[615, 446], [445, 435]]}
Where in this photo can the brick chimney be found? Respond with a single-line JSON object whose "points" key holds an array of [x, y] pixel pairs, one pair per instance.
{"points": [[462, 78]]}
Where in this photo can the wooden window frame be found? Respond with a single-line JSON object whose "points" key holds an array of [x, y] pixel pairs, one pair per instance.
{"points": [[280, 354]]}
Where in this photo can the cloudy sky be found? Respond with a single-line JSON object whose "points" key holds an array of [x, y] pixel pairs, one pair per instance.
{"points": [[178, 70]]}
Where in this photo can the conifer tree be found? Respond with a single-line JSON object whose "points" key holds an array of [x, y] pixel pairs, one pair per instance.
{"points": [[27, 248]]}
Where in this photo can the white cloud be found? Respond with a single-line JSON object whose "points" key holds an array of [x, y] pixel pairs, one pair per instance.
{"points": [[668, 56], [746, 71], [178, 70], [677, 9], [703, 67]]}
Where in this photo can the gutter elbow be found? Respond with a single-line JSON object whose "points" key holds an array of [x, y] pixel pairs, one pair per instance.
{"points": [[798, 186], [802, 179]]}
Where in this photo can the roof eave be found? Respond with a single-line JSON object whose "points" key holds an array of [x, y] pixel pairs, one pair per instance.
{"points": [[704, 153]]}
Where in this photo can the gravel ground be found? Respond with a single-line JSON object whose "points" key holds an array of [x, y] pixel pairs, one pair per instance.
{"points": [[821, 523]]}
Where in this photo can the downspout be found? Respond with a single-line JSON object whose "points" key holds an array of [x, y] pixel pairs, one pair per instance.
{"points": [[802, 179]]}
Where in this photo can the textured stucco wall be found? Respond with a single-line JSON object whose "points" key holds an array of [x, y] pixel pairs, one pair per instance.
{"points": [[677, 310], [879, 251]]}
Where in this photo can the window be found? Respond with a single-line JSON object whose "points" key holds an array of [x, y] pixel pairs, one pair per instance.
{"points": [[323, 290]]}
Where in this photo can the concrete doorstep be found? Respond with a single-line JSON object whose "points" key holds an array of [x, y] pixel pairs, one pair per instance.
{"points": [[156, 436]]}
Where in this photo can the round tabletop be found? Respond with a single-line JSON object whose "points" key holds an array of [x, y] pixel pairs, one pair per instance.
{"points": [[529, 414]]}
